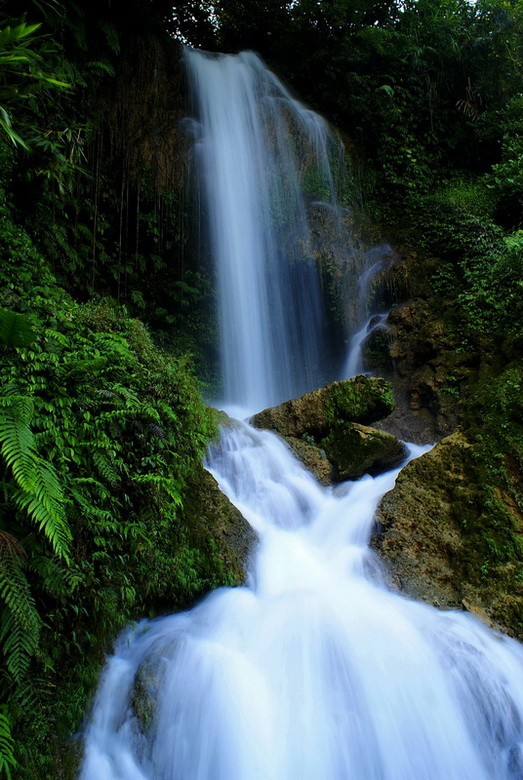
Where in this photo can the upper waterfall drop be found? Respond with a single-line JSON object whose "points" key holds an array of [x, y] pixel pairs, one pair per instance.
{"points": [[263, 164]]}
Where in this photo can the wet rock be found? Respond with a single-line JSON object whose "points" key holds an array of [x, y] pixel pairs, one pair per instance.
{"points": [[210, 514], [447, 542], [325, 430], [146, 687], [431, 373], [355, 450], [313, 458], [361, 399]]}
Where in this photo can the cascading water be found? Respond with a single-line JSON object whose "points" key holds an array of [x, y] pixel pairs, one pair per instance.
{"points": [[378, 258], [263, 160], [314, 670]]}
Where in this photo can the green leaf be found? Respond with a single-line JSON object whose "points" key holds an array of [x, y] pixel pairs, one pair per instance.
{"points": [[7, 758], [15, 329]]}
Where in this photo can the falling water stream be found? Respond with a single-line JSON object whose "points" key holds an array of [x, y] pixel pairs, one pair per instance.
{"points": [[314, 670]]}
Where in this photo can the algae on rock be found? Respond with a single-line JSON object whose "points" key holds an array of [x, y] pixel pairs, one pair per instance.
{"points": [[446, 542]]}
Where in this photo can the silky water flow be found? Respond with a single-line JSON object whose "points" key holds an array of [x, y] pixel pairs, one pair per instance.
{"points": [[314, 670]]}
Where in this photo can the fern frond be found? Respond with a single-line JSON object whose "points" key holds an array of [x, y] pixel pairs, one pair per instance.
{"points": [[89, 509], [52, 575], [20, 622], [46, 513], [16, 438], [105, 468], [15, 329], [7, 746], [167, 484], [39, 492], [19, 645]]}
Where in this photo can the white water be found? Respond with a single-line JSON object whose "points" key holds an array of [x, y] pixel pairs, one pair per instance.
{"points": [[354, 363], [263, 161], [314, 670]]}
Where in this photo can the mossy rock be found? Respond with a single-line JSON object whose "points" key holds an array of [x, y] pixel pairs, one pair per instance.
{"points": [[355, 449], [452, 540], [144, 695], [218, 526], [313, 458], [361, 399]]}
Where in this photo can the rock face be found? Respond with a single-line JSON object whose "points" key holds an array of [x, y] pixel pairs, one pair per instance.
{"points": [[432, 372], [446, 541], [211, 514], [325, 430]]}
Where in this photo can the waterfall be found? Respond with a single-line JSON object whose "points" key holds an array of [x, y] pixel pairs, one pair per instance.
{"points": [[314, 670], [264, 163]]}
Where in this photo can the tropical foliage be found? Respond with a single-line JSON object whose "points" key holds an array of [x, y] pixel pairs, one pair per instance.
{"points": [[101, 430]]}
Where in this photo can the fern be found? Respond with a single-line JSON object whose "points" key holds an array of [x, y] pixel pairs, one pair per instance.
{"points": [[19, 620], [15, 329], [7, 758], [20, 642], [38, 492], [105, 467], [159, 482]]}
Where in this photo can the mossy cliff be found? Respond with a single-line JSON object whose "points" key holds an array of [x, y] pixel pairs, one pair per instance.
{"points": [[451, 530]]}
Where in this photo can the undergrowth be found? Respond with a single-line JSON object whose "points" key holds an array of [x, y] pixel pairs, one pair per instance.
{"points": [[100, 433]]}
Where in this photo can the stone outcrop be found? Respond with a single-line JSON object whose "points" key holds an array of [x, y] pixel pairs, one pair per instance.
{"points": [[445, 539], [326, 431], [361, 399], [355, 450], [431, 375], [209, 513]]}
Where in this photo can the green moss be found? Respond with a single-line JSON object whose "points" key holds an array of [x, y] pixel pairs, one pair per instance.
{"points": [[355, 450], [363, 399]]}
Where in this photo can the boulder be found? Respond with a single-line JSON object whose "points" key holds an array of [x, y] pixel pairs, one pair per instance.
{"points": [[313, 458], [324, 428], [447, 539], [355, 449], [361, 399], [211, 516]]}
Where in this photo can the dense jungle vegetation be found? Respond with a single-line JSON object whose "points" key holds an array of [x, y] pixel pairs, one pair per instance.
{"points": [[103, 325]]}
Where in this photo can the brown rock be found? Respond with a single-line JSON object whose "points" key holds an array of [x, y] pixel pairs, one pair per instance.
{"points": [[435, 530], [360, 399]]}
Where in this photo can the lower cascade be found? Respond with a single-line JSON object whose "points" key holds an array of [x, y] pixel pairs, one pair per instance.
{"points": [[314, 669]]}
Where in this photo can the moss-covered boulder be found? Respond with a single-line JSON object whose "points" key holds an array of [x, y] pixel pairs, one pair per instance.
{"points": [[313, 458], [361, 399], [146, 688], [324, 428], [354, 450], [218, 526], [451, 539]]}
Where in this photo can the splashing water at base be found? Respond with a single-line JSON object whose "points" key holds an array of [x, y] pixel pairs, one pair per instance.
{"points": [[315, 670]]}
